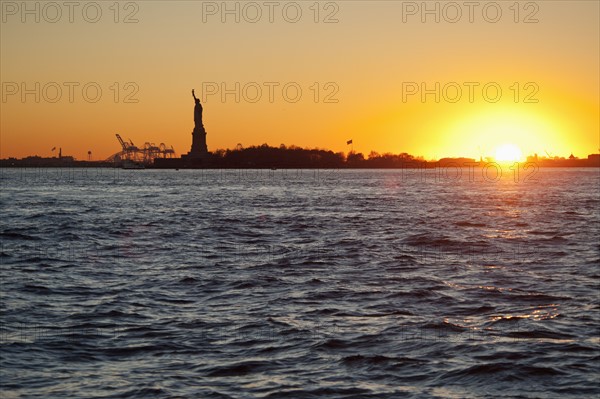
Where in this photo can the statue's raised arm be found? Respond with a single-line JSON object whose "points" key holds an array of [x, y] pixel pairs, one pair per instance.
{"points": [[197, 110]]}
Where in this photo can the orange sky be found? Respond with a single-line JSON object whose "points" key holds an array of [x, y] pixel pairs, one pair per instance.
{"points": [[366, 61]]}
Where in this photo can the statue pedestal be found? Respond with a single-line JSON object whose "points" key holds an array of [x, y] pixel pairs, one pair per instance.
{"points": [[199, 149]]}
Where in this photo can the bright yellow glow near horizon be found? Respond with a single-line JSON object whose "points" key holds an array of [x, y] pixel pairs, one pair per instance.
{"points": [[508, 128], [508, 153]]}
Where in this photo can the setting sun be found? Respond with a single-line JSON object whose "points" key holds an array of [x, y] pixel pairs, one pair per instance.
{"points": [[508, 153]]}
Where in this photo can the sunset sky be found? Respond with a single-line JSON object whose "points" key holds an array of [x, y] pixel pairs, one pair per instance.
{"points": [[367, 61]]}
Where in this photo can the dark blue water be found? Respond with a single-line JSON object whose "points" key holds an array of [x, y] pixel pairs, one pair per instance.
{"points": [[299, 284]]}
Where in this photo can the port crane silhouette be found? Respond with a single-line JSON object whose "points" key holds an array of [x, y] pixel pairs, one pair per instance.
{"points": [[144, 155]]}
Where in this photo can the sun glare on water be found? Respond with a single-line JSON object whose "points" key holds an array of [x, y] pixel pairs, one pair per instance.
{"points": [[508, 153]]}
